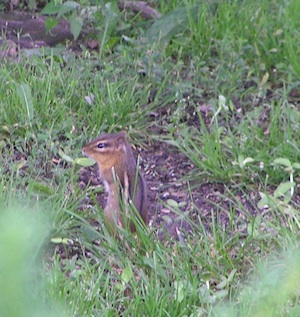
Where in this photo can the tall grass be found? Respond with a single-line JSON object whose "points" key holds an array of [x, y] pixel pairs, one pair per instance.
{"points": [[213, 78]]}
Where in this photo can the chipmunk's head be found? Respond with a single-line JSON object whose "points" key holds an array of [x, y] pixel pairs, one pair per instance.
{"points": [[107, 149]]}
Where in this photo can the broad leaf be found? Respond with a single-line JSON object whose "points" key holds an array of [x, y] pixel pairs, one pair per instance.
{"points": [[283, 188], [67, 7], [165, 28], [85, 162], [51, 8], [50, 23], [283, 161], [76, 26], [127, 274]]}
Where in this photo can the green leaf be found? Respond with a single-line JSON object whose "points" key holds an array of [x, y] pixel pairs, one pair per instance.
{"points": [[264, 201], [66, 241], [127, 274], [248, 160], [50, 23], [296, 166], [223, 283], [244, 161], [231, 275], [65, 156], [165, 28], [85, 162], [120, 286], [172, 203], [51, 8], [76, 26], [221, 294], [21, 164], [89, 232], [56, 240], [221, 101], [5, 129], [24, 92], [111, 14], [283, 161], [2, 144], [111, 43], [265, 78], [179, 291], [67, 7], [41, 188], [240, 160], [111, 18], [283, 188]]}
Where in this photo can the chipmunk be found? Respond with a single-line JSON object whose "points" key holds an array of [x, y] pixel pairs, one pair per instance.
{"points": [[121, 178]]}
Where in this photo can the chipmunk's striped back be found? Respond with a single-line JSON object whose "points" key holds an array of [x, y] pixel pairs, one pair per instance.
{"points": [[121, 177]]}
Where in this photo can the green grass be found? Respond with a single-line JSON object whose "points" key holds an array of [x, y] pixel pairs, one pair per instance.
{"points": [[239, 59]]}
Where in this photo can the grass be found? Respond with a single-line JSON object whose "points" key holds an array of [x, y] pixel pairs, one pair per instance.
{"points": [[236, 58]]}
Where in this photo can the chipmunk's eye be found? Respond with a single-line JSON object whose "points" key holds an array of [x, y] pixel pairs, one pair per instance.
{"points": [[101, 145]]}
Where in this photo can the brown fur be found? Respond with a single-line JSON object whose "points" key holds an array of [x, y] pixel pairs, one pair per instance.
{"points": [[122, 180]]}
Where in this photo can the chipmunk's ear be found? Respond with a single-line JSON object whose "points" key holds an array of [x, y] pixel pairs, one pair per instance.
{"points": [[123, 133], [121, 139]]}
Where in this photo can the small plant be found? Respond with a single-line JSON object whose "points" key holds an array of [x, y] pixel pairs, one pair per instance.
{"points": [[283, 194], [104, 18], [285, 190], [290, 168], [68, 8]]}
